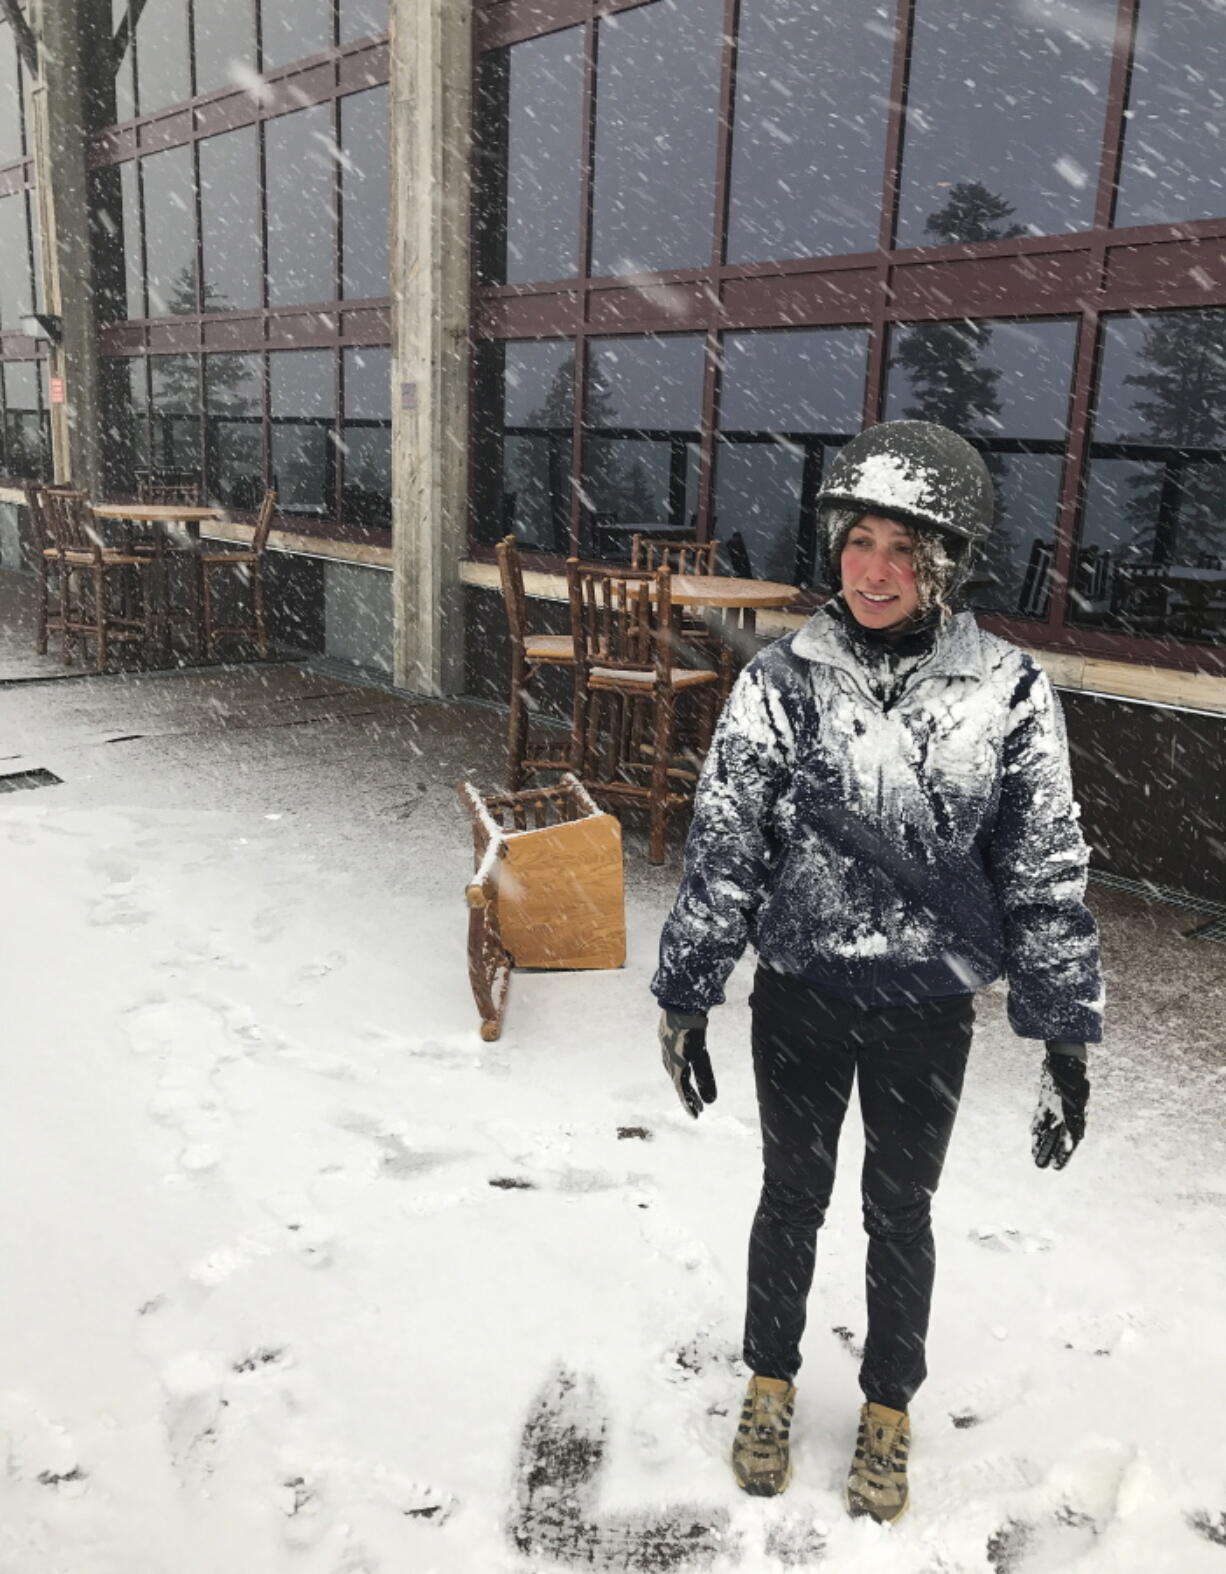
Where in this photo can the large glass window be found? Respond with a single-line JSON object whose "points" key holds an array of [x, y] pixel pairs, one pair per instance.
{"points": [[224, 36], [170, 232], [808, 140], [125, 432], [302, 390], [294, 30], [230, 220], [1004, 122], [130, 238], [10, 98], [790, 399], [1173, 134], [300, 162], [363, 19], [234, 428], [523, 441], [1152, 551], [15, 281], [365, 192], [1006, 386], [366, 494], [125, 89], [530, 110], [174, 408], [657, 103], [163, 59], [26, 444], [642, 416]]}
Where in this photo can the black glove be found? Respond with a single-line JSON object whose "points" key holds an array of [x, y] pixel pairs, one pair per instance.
{"points": [[683, 1039], [1064, 1091]]}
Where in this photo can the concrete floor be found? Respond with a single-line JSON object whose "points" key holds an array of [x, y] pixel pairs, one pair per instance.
{"points": [[370, 775]]}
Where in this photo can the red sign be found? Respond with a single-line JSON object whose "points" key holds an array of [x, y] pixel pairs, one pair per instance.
{"points": [[57, 390]]}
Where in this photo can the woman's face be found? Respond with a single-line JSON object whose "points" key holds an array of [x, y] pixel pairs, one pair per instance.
{"points": [[878, 571]]}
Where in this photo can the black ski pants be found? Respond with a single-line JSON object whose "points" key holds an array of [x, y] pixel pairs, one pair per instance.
{"points": [[809, 1046]]}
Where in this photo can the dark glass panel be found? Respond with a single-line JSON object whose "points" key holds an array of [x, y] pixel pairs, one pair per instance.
{"points": [[366, 184], [25, 446], [170, 232], [234, 428], [163, 66], [363, 19], [301, 207], [1152, 550], [790, 399], [366, 489], [10, 98], [224, 38], [1004, 119], [174, 397], [657, 103], [132, 268], [808, 139], [294, 30], [1176, 119], [125, 435], [523, 436], [302, 390], [1005, 386], [642, 413], [125, 92], [15, 281], [530, 104], [230, 220]]}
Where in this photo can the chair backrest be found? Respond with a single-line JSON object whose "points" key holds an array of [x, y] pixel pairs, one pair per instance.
{"points": [[621, 618], [40, 527], [168, 486], [686, 555], [514, 602], [69, 521], [264, 519]]}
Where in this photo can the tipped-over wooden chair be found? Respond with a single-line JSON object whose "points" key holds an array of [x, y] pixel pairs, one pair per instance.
{"points": [[547, 891], [249, 561], [529, 653], [87, 570], [627, 690]]}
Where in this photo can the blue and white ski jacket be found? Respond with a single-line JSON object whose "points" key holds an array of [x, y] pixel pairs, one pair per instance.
{"points": [[890, 852]]}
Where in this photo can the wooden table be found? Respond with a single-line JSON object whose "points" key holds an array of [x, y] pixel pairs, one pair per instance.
{"points": [[190, 516], [729, 607]]}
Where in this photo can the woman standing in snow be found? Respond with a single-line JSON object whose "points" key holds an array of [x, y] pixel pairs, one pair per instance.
{"points": [[886, 814]]}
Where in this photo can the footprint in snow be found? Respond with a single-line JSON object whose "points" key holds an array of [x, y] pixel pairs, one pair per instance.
{"points": [[36, 1449], [1002, 1238]]}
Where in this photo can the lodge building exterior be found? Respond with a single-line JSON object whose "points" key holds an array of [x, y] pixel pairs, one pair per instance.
{"points": [[443, 270]]}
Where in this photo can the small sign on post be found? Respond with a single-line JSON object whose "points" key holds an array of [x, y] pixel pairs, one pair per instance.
{"points": [[56, 385], [408, 396]]}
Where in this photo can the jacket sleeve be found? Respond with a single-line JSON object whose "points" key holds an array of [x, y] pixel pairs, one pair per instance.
{"points": [[1038, 861], [728, 855]]}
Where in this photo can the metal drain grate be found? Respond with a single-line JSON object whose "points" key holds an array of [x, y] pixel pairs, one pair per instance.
{"points": [[23, 779], [1215, 929]]}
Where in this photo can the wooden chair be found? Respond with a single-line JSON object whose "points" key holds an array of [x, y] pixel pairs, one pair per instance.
{"points": [[47, 563], [547, 891], [168, 486], [529, 653], [87, 570], [627, 690], [249, 561], [682, 556]]}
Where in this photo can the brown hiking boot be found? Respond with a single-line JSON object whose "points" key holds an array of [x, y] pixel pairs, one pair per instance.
{"points": [[761, 1453], [877, 1485]]}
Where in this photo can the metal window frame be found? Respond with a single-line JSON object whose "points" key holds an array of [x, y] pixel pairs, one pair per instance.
{"points": [[1083, 275]]}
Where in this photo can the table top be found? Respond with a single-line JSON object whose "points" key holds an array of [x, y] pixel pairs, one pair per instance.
{"points": [[716, 590], [154, 513]]}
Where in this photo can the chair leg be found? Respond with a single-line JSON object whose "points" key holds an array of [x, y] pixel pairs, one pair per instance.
{"points": [[40, 619], [206, 610], [261, 618], [517, 728], [578, 726], [662, 758], [65, 630], [100, 617]]}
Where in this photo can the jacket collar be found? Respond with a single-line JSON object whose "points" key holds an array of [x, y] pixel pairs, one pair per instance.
{"points": [[958, 652]]}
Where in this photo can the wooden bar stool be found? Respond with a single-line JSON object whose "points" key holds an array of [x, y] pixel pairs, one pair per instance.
{"points": [[529, 654], [249, 561]]}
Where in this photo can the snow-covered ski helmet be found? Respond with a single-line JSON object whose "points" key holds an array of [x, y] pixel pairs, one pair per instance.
{"points": [[914, 471]]}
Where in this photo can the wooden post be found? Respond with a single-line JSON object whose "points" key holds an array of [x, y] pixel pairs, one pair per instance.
{"points": [[431, 108]]}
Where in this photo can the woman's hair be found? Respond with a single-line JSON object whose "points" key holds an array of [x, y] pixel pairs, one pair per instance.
{"points": [[934, 562]]}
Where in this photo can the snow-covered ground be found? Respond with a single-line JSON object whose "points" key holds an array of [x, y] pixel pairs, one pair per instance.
{"points": [[300, 1275]]}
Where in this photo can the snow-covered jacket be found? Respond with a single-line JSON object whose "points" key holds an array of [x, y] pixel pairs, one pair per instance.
{"points": [[890, 849]]}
